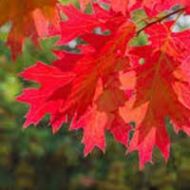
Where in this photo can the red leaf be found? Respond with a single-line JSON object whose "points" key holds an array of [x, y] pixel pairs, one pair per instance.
{"points": [[156, 88], [72, 83], [79, 23], [109, 83]]}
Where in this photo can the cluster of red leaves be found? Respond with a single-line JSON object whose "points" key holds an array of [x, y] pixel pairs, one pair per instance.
{"points": [[29, 18], [107, 83]]}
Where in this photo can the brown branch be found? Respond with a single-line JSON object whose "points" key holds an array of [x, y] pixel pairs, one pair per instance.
{"points": [[160, 19]]}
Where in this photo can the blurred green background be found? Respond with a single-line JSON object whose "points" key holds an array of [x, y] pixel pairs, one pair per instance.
{"points": [[35, 159]]}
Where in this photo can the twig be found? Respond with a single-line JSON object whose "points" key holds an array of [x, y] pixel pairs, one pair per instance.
{"points": [[159, 20]]}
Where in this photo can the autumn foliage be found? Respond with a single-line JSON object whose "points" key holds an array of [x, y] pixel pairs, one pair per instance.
{"points": [[108, 81]]}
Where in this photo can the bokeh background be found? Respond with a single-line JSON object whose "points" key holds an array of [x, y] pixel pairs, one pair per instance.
{"points": [[35, 159]]}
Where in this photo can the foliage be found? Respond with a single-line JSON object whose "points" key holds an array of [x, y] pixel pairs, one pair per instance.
{"points": [[36, 159], [106, 82]]}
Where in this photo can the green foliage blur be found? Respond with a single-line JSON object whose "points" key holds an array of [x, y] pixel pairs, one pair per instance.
{"points": [[35, 159]]}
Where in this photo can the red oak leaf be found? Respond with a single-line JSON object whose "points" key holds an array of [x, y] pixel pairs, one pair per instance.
{"points": [[95, 107], [159, 91], [78, 23], [28, 19]]}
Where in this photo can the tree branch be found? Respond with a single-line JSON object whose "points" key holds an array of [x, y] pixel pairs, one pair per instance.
{"points": [[160, 19]]}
